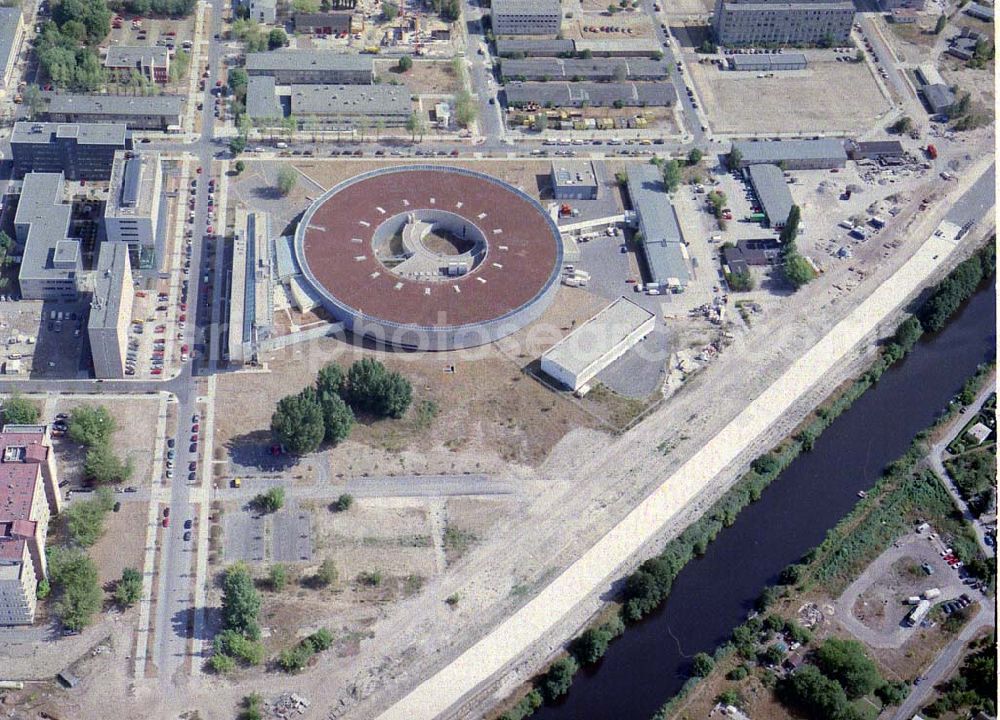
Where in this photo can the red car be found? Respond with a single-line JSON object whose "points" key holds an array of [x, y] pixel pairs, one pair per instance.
{"points": [[156, 371], [211, 229], [182, 317], [198, 170], [166, 522], [184, 348]]}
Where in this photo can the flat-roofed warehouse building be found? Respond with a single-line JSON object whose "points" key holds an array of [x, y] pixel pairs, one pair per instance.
{"points": [[11, 37], [316, 67], [132, 212], [51, 262], [590, 94], [526, 17], [768, 63], [528, 47], [345, 105], [662, 243], [110, 311], [775, 200], [597, 343], [822, 154], [579, 69], [148, 112], [624, 47], [773, 22], [80, 151], [323, 23], [251, 285]]}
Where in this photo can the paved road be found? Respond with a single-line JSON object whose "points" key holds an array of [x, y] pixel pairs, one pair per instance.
{"points": [[946, 662], [387, 486], [938, 451]]}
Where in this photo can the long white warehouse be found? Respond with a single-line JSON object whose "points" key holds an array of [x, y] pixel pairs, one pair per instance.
{"points": [[597, 343]]}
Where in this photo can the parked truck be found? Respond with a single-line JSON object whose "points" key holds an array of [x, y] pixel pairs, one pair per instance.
{"points": [[918, 613], [931, 152]]}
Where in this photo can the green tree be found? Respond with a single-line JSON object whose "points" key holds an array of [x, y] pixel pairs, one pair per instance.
{"points": [[791, 229], [276, 39], [343, 503], [846, 662], [590, 646], [671, 175], [694, 157], [814, 694], [129, 589], [390, 10], [903, 125], [798, 271], [735, 158], [466, 109], [103, 467], [558, 679], [404, 64], [233, 644], [288, 177], [892, 693], [772, 655], [77, 590], [338, 418], [19, 411], [240, 167], [702, 665], [327, 573], [277, 577], [84, 519], [330, 378], [33, 102], [270, 501], [240, 602], [908, 333], [237, 144], [372, 388], [940, 24], [91, 426], [297, 424]]}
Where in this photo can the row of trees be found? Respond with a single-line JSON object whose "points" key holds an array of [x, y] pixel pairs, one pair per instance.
{"points": [[93, 427], [239, 641], [796, 268], [955, 289], [161, 8], [324, 412]]}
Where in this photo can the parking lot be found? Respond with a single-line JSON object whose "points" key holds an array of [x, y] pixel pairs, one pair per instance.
{"points": [[283, 536], [44, 339]]}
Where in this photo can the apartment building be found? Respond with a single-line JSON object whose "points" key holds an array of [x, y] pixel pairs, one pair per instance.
{"points": [[110, 311], [37, 445], [317, 67], [526, 17], [768, 22], [147, 112], [11, 38], [150, 61]]}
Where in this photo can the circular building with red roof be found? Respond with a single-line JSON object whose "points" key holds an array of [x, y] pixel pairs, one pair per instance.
{"points": [[428, 257]]}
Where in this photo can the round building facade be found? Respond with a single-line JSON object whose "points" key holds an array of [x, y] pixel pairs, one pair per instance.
{"points": [[430, 257]]}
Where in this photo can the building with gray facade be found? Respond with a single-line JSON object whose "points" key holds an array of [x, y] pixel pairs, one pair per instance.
{"points": [[50, 262], [767, 22], [528, 47], [573, 180], [775, 200], [980, 12], [939, 98], [316, 67], [132, 212], [11, 38], [80, 151], [526, 17], [579, 69], [591, 94], [822, 154], [110, 311], [150, 61], [323, 23], [148, 112], [328, 106], [662, 243]]}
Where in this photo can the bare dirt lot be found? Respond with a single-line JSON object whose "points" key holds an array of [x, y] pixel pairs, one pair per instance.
{"points": [[829, 96], [426, 77]]}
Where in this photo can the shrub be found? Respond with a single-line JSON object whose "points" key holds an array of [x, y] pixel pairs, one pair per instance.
{"points": [[702, 665], [129, 588], [558, 679], [590, 646], [343, 503], [327, 573], [221, 664], [270, 501], [77, 590], [371, 387], [18, 411]]}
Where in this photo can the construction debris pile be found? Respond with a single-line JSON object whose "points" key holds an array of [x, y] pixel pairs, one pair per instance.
{"points": [[288, 705]]}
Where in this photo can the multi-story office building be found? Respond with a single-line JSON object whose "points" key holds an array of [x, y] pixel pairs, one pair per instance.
{"points": [[51, 263], [35, 447], [147, 112], [11, 37], [316, 67], [264, 11], [767, 22], [24, 523], [80, 151], [526, 17], [110, 310], [132, 212], [150, 61]]}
